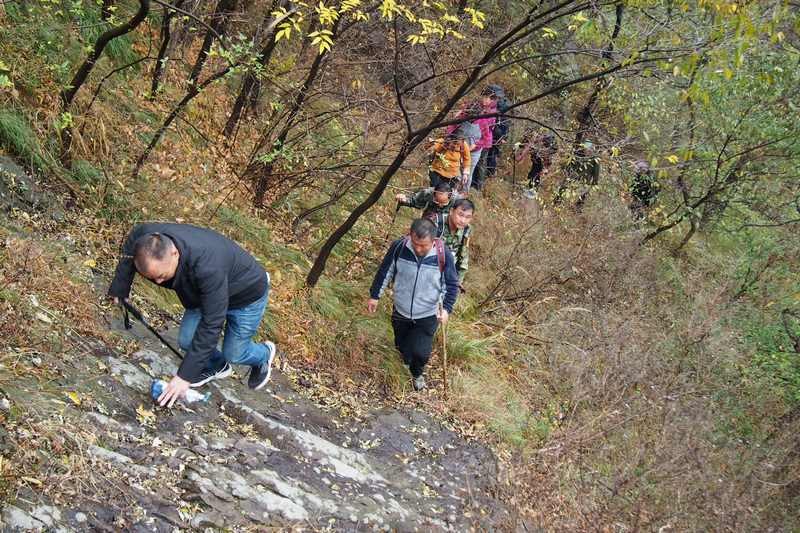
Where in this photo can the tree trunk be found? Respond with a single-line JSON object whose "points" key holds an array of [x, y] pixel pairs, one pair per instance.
{"points": [[166, 23], [219, 20], [68, 93], [322, 258], [250, 85], [194, 90], [263, 171], [585, 114]]}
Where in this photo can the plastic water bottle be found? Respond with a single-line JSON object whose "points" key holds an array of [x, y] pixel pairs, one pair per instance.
{"points": [[191, 395]]}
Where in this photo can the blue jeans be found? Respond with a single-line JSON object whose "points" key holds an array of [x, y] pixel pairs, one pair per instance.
{"points": [[241, 325]]}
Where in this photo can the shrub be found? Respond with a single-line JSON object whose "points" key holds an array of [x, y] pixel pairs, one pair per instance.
{"points": [[17, 136]]}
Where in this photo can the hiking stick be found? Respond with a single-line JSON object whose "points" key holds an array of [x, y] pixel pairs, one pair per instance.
{"points": [[514, 169], [394, 217], [127, 307], [444, 354]]}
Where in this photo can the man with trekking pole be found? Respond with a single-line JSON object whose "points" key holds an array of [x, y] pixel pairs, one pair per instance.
{"points": [[425, 291], [219, 284]]}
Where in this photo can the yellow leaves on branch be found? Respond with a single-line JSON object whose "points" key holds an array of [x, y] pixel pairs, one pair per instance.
{"points": [[438, 28], [323, 39], [549, 33], [389, 9], [285, 28], [576, 21], [477, 18], [327, 15]]}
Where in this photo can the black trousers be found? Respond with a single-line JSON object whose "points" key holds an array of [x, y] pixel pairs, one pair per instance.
{"points": [[479, 175], [414, 340], [436, 178], [491, 160], [535, 173]]}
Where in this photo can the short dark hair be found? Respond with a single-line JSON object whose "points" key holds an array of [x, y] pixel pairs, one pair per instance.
{"points": [[151, 246], [464, 203], [423, 228], [443, 186], [492, 91]]}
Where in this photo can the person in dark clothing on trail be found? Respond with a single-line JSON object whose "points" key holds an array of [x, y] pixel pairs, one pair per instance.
{"points": [[425, 291], [582, 172], [542, 149], [499, 133], [219, 284], [432, 200], [643, 189]]}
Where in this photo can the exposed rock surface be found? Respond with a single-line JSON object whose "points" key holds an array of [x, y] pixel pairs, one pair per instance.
{"points": [[248, 460]]}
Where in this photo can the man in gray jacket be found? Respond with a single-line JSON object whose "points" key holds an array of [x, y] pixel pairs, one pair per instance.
{"points": [[425, 291], [218, 283]]}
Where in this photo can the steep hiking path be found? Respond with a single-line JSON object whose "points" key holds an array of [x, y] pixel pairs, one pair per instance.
{"points": [[84, 448], [246, 458]]}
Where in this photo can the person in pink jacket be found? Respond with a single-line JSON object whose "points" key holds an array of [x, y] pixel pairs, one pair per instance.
{"points": [[489, 102], [480, 145]]}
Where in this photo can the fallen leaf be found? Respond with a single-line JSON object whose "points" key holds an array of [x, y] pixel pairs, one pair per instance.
{"points": [[145, 416], [91, 263], [74, 397]]}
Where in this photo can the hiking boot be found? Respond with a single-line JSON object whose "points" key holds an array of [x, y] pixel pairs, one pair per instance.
{"points": [[259, 375], [530, 194], [419, 382], [210, 375]]}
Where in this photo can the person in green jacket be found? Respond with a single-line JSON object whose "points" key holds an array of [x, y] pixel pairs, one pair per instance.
{"points": [[432, 200], [456, 233]]}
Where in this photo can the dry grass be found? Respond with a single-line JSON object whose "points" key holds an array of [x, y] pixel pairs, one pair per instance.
{"points": [[625, 358]]}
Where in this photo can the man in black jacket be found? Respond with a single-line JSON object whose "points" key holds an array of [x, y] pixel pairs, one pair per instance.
{"points": [[218, 283]]}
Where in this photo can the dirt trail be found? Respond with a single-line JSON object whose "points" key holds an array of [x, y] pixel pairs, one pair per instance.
{"points": [[269, 458], [245, 461]]}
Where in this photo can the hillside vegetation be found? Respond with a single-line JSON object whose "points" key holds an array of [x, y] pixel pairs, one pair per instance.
{"points": [[628, 374]]}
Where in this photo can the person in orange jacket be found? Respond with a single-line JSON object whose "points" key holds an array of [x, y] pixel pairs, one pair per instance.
{"points": [[450, 161]]}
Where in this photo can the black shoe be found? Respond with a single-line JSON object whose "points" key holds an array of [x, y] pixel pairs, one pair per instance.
{"points": [[259, 375], [211, 375]]}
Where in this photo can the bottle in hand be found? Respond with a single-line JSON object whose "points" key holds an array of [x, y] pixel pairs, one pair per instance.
{"points": [[191, 396]]}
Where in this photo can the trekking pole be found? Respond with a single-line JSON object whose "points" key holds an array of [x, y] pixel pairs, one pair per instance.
{"points": [[127, 307], [391, 224], [444, 354], [514, 170]]}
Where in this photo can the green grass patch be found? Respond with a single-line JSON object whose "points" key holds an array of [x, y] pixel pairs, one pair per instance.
{"points": [[86, 174], [487, 395], [120, 50], [254, 235], [17, 136], [463, 348]]}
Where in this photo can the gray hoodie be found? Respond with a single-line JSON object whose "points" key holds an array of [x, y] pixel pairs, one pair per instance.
{"points": [[469, 131]]}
